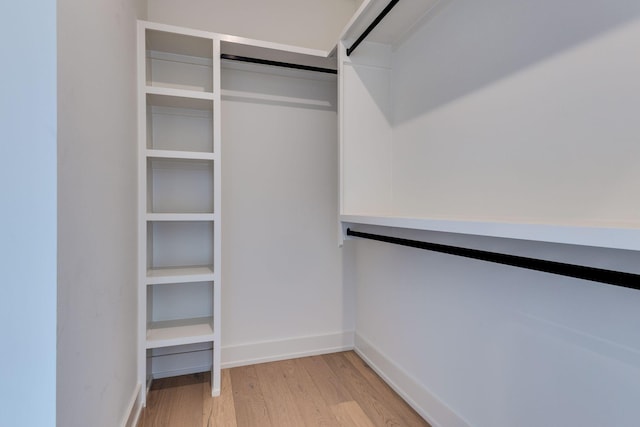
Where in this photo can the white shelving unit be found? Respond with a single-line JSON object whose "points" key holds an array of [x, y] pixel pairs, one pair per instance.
{"points": [[179, 203], [179, 200]]}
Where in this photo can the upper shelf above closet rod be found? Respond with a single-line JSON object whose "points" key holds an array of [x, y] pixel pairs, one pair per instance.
{"points": [[370, 28], [374, 22]]}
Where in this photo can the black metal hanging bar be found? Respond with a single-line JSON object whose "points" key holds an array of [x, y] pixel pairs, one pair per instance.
{"points": [[372, 26], [618, 278], [277, 63]]}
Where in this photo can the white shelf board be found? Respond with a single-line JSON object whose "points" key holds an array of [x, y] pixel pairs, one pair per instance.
{"points": [[181, 32], [270, 48], [261, 44], [605, 237], [394, 27], [236, 94], [181, 217], [172, 154], [179, 98], [179, 332], [159, 276]]}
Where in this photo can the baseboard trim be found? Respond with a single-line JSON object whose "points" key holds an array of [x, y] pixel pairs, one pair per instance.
{"points": [[422, 400], [131, 415], [271, 351]]}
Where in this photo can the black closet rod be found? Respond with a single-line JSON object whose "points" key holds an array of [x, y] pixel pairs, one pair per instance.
{"points": [[372, 26], [618, 278], [277, 63]]}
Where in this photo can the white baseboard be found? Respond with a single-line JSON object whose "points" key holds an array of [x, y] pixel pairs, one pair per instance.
{"points": [[270, 351], [131, 415], [422, 400]]}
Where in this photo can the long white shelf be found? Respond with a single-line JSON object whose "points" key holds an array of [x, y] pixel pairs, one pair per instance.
{"points": [[236, 94], [179, 332], [179, 98], [180, 93], [159, 276], [605, 237], [266, 45], [181, 217], [173, 154]]}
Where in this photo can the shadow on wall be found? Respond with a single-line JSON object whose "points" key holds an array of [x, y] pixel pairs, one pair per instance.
{"points": [[465, 45]]}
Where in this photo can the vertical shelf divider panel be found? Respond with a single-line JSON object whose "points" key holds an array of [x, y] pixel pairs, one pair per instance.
{"points": [[217, 225], [179, 199]]}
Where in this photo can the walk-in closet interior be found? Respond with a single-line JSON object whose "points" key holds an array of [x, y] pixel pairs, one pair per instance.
{"points": [[446, 187]]}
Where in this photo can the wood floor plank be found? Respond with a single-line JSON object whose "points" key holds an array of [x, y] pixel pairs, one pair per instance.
{"points": [[219, 410], [175, 401], [364, 393], [282, 404], [311, 404], [329, 385], [336, 390], [387, 395], [350, 414], [251, 410]]}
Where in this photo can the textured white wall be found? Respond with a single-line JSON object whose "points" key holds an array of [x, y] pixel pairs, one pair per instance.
{"points": [[308, 23], [96, 211], [28, 212]]}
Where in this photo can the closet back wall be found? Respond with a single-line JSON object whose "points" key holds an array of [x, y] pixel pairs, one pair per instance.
{"points": [[282, 268]]}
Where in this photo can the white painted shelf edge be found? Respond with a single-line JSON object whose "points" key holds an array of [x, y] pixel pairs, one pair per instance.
{"points": [[179, 332], [173, 154], [235, 39], [236, 94], [605, 237], [181, 217], [159, 276], [179, 93]]}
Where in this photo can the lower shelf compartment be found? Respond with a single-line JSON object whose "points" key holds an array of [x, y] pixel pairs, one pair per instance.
{"points": [[179, 360], [179, 332]]}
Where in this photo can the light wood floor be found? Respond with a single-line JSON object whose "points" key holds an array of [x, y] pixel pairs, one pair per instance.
{"points": [[330, 390]]}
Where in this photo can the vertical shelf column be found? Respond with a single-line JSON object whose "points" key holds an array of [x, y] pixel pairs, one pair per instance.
{"points": [[179, 185]]}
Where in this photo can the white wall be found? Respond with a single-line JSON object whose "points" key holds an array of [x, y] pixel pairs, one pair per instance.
{"points": [[28, 213], [96, 211], [520, 111], [307, 23], [475, 343], [282, 286], [517, 111]]}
